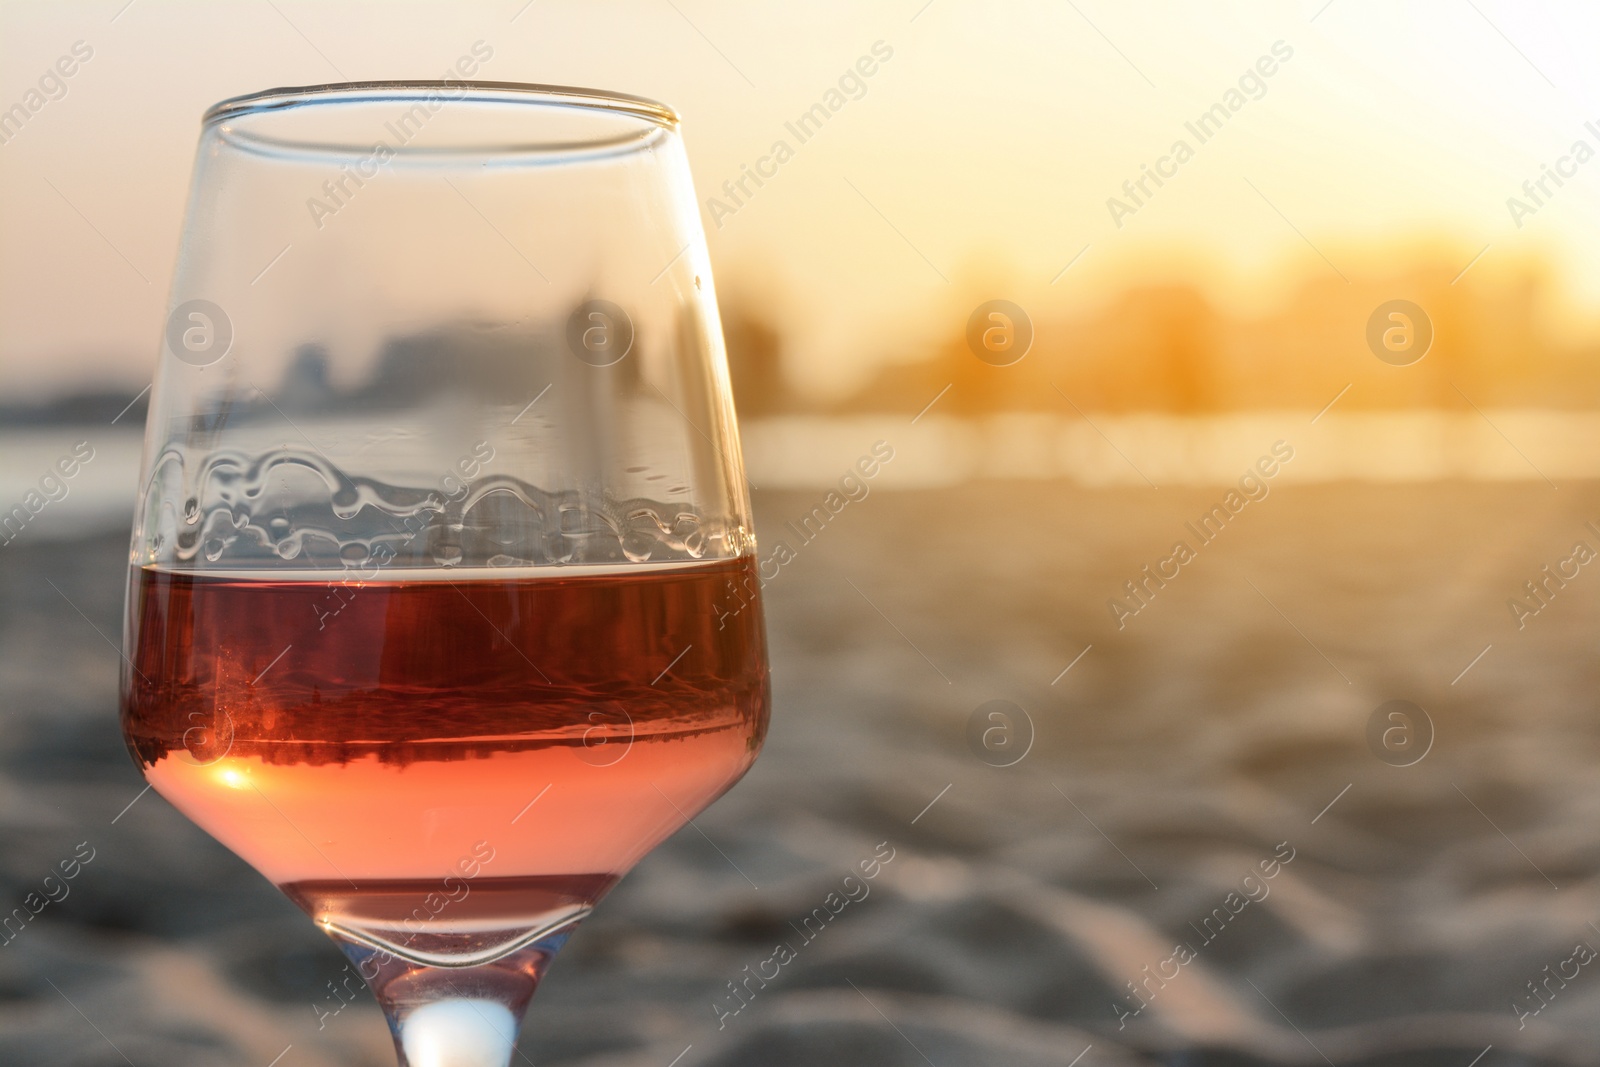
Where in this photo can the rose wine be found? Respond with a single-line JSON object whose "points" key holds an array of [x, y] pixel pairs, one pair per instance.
{"points": [[445, 767]]}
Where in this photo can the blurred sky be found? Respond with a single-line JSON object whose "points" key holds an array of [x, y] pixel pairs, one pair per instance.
{"points": [[978, 162]]}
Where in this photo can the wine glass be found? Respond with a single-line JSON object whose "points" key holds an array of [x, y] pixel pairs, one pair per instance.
{"points": [[443, 607]]}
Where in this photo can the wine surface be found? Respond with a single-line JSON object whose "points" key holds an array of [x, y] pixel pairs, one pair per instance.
{"points": [[481, 751]]}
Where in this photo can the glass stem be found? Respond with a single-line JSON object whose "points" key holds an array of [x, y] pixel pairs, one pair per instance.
{"points": [[456, 1032], [444, 1016]]}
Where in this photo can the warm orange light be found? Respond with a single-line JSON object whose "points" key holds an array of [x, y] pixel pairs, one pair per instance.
{"points": [[231, 777]]}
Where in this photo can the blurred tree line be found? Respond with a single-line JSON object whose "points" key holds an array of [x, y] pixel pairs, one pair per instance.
{"points": [[1167, 348]]}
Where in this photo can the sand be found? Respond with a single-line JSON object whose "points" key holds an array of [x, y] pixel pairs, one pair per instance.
{"points": [[1224, 726]]}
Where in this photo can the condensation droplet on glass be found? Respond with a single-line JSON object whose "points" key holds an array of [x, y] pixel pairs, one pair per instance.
{"points": [[191, 511], [214, 547], [354, 552], [637, 546], [557, 549], [688, 535], [278, 526], [447, 554]]}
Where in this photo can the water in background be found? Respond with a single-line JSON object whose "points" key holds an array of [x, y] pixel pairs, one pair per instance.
{"points": [[803, 452]]}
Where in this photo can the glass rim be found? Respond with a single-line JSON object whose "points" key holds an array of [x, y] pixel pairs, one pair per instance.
{"points": [[596, 101]]}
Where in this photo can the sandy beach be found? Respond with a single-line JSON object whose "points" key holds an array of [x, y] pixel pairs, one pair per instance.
{"points": [[1031, 913]]}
